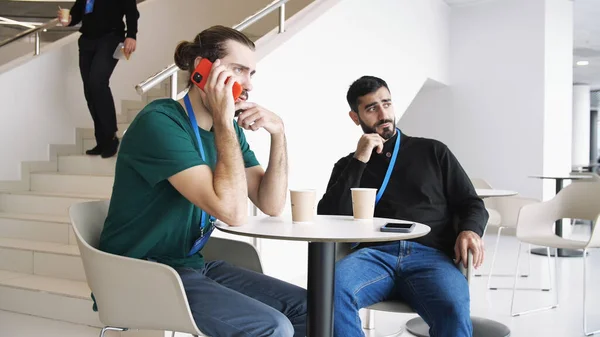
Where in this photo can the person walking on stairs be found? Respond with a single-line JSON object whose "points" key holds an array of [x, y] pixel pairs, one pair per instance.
{"points": [[102, 30]]}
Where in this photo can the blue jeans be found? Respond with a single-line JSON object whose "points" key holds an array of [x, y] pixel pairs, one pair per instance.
{"points": [[423, 277], [227, 301]]}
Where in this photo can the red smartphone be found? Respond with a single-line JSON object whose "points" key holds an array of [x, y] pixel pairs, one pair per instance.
{"points": [[200, 75]]}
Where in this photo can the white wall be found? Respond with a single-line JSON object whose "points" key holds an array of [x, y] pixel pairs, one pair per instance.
{"points": [[497, 74], [305, 81], [42, 97]]}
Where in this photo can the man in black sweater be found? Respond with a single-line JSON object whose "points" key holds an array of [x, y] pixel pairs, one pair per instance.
{"points": [[427, 185], [102, 30]]}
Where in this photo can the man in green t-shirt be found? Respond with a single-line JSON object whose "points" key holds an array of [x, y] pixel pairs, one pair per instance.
{"points": [[183, 163]]}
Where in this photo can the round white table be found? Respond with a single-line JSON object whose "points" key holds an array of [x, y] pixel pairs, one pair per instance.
{"points": [[321, 236], [493, 193], [558, 229]]}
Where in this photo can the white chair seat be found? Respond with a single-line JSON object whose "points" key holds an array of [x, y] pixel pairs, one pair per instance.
{"points": [[551, 240]]}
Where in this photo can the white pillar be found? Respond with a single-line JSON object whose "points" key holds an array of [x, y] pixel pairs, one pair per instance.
{"points": [[581, 125]]}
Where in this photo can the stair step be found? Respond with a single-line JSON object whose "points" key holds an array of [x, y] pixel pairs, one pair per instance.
{"points": [[44, 202], [92, 165], [71, 183], [88, 144], [36, 227], [49, 297], [88, 133], [41, 258]]}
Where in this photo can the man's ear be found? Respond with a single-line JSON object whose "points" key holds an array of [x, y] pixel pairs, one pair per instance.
{"points": [[196, 62], [354, 116]]}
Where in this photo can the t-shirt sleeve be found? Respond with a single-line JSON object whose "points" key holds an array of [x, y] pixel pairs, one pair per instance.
{"points": [[247, 154], [159, 147]]}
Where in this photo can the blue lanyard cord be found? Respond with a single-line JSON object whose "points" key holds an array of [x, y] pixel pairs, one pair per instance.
{"points": [[204, 235], [388, 174]]}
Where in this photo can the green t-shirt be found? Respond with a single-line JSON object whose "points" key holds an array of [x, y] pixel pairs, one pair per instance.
{"points": [[148, 217]]}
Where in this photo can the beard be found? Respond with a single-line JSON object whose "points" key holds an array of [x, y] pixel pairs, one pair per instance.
{"points": [[386, 133]]}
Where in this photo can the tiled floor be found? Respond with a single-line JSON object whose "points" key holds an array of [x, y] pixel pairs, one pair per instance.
{"points": [[565, 321]]}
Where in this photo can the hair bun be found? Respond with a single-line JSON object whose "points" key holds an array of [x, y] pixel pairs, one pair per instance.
{"points": [[183, 54]]}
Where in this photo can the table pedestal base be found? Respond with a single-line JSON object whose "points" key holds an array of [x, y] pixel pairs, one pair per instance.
{"points": [[482, 327], [321, 273]]}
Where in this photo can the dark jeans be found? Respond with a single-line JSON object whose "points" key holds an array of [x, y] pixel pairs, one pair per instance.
{"points": [[425, 278], [96, 64], [227, 301]]}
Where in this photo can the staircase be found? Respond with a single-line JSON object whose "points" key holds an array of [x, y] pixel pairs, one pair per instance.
{"points": [[41, 272]]}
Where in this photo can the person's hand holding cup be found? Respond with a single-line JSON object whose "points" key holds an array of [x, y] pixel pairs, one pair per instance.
{"points": [[363, 203], [303, 205], [64, 16]]}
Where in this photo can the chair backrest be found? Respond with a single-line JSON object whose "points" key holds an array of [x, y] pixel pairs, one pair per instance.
{"points": [[237, 253], [579, 200], [490, 203], [130, 293], [480, 183]]}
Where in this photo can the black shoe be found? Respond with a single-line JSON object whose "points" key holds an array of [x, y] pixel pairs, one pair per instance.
{"points": [[96, 151], [111, 148]]}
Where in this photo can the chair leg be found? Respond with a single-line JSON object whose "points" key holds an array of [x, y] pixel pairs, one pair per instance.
{"points": [[370, 320], [555, 305], [517, 271], [494, 257], [585, 330], [369, 323], [110, 328]]}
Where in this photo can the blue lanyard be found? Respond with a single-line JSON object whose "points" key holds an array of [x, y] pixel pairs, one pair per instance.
{"points": [[388, 174], [201, 241]]}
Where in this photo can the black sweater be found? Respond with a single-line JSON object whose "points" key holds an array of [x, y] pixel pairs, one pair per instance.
{"points": [[428, 185], [107, 17]]}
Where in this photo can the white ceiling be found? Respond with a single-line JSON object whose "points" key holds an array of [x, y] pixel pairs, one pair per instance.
{"points": [[586, 38]]}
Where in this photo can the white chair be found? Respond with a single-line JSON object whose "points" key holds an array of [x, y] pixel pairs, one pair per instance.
{"points": [[125, 289], [503, 212], [535, 226]]}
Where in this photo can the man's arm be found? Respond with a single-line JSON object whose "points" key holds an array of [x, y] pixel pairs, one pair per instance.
{"points": [[467, 205], [268, 190], [131, 18], [346, 174], [76, 12], [224, 193]]}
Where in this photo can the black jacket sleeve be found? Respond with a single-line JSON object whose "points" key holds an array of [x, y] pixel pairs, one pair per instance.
{"points": [[77, 12], [131, 18], [461, 195], [346, 174]]}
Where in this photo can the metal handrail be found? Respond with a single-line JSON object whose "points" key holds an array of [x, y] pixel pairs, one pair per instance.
{"points": [[43, 27], [171, 70]]}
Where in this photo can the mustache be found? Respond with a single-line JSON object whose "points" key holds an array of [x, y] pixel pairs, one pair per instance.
{"points": [[383, 121]]}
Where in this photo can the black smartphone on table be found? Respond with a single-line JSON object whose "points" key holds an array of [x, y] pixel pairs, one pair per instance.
{"points": [[398, 227]]}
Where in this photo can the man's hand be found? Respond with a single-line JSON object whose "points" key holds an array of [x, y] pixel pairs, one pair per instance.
{"points": [[60, 18], [129, 46], [217, 95], [469, 241], [255, 117], [366, 144]]}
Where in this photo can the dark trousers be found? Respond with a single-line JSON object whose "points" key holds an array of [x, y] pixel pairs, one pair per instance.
{"points": [[96, 64]]}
